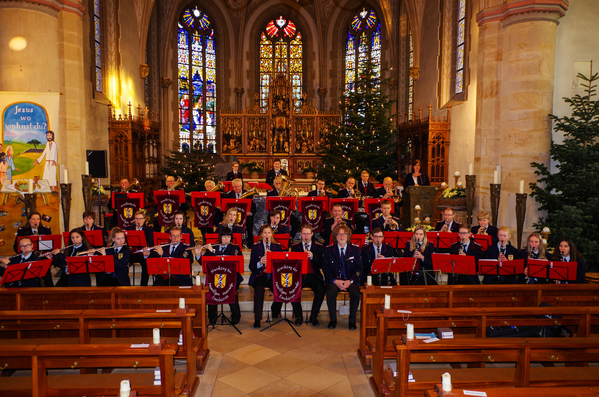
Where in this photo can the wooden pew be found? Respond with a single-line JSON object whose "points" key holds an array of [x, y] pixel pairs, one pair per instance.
{"points": [[521, 351], [40, 358], [103, 327], [588, 391], [137, 298], [467, 296], [471, 322]]}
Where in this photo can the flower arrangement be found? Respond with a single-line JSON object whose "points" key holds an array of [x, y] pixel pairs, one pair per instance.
{"points": [[428, 228], [102, 191], [453, 192]]}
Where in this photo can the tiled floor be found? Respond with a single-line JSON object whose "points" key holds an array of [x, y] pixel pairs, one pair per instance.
{"points": [[277, 362]]}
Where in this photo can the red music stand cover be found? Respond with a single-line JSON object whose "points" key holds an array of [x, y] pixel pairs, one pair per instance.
{"points": [[494, 267], [94, 237], [212, 238], [313, 209], [49, 242], [221, 278], [168, 202], [554, 270], [442, 239], [228, 186], [348, 204], [260, 185], [90, 264], [287, 269], [136, 238], [282, 238], [303, 200], [393, 265], [398, 239], [283, 204], [179, 193], [216, 196], [456, 264], [26, 271], [243, 207], [163, 238], [116, 195], [358, 239], [484, 240], [219, 258], [168, 266]]}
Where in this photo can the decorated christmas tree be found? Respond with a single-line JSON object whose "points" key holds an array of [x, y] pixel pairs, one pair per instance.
{"points": [[570, 195], [365, 138], [194, 167]]}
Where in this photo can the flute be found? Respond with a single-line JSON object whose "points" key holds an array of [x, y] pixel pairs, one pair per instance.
{"points": [[92, 250], [151, 248], [60, 249], [202, 247]]}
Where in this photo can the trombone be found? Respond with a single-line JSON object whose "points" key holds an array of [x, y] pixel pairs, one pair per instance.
{"points": [[135, 186]]}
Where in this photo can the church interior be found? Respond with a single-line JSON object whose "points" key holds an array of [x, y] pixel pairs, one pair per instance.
{"points": [[472, 85]]}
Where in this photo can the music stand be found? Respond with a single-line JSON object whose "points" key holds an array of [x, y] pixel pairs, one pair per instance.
{"points": [[24, 271], [398, 239], [454, 264], [493, 267], [168, 266], [41, 242], [163, 238], [393, 265], [213, 238], [229, 265], [90, 264], [443, 240], [290, 266], [136, 238], [553, 270], [484, 240]]}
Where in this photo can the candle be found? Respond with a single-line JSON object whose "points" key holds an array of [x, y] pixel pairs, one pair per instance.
{"points": [[369, 280], [446, 380], [499, 173], [417, 208], [387, 301], [457, 173], [544, 242], [65, 177], [181, 303], [416, 220], [495, 177], [470, 169], [521, 186], [443, 185], [546, 230], [156, 336], [410, 331], [86, 168], [29, 186], [459, 184], [125, 388], [198, 280]]}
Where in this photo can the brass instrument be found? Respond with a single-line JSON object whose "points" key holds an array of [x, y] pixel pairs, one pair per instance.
{"points": [[286, 189], [178, 182], [395, 188], [445, 227], [249, 193], [483, 232], [135, 186], [220, 187], [392, 223]]}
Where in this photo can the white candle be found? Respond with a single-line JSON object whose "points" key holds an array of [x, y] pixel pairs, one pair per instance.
{"points": [[470, 169], [125, 388], [29, 186], [387, 301], [86, 168], [156, 336], [446, 381], [65, 177], [499, 173], [410, 331], [181, 303], [459, 184], [417, 208], [443, 185], [521, 186], [369, 280], [495, 176], [546, 230], [198, 280], [457, 173]]}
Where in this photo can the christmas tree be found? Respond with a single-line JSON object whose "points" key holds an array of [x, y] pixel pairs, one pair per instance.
{"points": [[365, 138], [571, 194], [193, 166]]}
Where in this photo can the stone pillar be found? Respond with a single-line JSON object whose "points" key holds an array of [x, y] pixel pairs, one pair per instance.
{"points": [[238, 98], [514, 96]]}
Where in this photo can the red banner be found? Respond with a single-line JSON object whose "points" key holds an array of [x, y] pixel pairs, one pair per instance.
{"points": [[282, 204], [126, 209], [287, 269], [243, 208], [166, 206], [205, 211], [221, 276], [350, 206], [312, 214]]}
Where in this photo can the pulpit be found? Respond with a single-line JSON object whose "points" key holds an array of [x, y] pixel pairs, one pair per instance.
{"points": [[424, 196]]}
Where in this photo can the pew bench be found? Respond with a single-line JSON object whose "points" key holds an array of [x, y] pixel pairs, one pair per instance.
{"points": [[41, 358], [589, 391], [480, 351]]}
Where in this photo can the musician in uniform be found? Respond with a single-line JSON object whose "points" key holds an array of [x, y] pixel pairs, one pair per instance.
{"points": [[465, 247], [448, 224], [121, 255], [484, 228], [275, 223], [140, 224], [377, 250], [320, 189], [313, 280], [366, 187], [535, 249], [27, 255], [230, 222], [89, 217], [59, 259], [234, 173], [276, 191], [421, 250], [385, 191], [112, 218], [329, 224], [502, 251], [259, 279], [181, 221], [33, 228], [348, 191], [569, 253], [276, 171], [386, 221], [176, 249], [342, 268], [236, 193]]}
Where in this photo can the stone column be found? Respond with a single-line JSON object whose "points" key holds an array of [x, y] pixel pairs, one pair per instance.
{"points": [[238, 98], [514, 96]]}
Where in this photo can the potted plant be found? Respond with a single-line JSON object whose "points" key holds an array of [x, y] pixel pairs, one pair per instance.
{"points": [[310, 172], [253, 168]]}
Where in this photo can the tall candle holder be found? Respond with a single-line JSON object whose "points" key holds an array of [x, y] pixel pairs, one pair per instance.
{"points": [[520, 215], [30, 203], [86, 181], [495, 196], [65, 202], [470, 184], [457, 178]]}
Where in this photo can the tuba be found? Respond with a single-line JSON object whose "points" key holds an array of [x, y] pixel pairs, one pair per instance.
{"points": [[135, 186], [220, 187], [286, 189], [178, 182], [249, 193]]}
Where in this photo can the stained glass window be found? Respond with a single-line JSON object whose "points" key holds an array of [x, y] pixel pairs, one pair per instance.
{"points": [[362, 44], [411, 81], [196, 81], [281, 52], [460, 45], [97, 45]]}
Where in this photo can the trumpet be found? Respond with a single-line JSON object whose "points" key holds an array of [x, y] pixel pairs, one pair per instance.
{"points": [[445, 227], [392, 223], [152, 248]]}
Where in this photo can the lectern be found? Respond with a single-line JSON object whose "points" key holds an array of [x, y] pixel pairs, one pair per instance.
{"points": [[424, 196]]}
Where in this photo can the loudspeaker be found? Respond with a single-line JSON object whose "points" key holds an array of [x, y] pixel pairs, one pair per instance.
{"points": [[97, 163]]}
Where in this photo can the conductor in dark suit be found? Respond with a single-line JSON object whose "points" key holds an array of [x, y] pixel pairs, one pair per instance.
{"points": [[484, 227], [342, 268], [33, 228], [377, 250], [276, 171], [448, 224], [140, 224], [235, 173], [365, 187], [465, 247], [175, 250], [27, 255], [313, 279], [329, 224], [320, 189], [416, 178]]}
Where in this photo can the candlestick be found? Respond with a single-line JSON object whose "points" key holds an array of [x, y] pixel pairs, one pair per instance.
{"points": [[86, 187], [387, 301], [495, 177], [410, 331], [368, 280], [470, 169], [520, 215], [446, 381], [417, 208], [459, 184], [457, 173], [521, 186], [65, 203], [470, 187], [495, 197], [156, 336], [443, 185], [181, 303]]}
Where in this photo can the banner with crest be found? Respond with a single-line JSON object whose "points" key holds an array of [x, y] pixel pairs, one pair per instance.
{"points": [[350, 207], [126, 209], [312, 214], [166, 206], [221, 276], [287, 280], [205, 211], [284, 205], [243, 208]]}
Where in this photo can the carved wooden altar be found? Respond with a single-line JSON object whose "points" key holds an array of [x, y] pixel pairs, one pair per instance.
{"points": [[278, 133], [134, 147], [428, 140]]}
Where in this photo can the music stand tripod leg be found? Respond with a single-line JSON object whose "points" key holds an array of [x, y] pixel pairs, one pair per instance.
{"points": [[223, 319], [284, 319]]}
